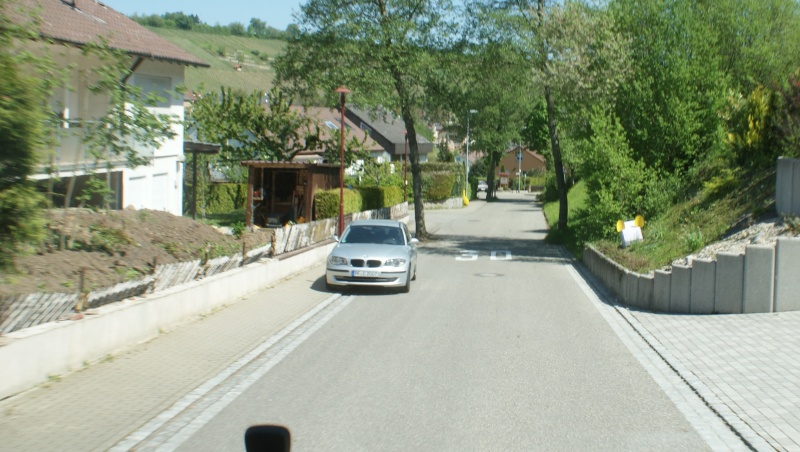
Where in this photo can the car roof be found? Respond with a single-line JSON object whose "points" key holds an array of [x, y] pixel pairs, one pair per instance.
{"points": [[391, 223]]}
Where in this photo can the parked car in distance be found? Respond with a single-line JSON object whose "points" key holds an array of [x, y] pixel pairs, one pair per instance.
{"points": [[482, 185], [373, 253]]}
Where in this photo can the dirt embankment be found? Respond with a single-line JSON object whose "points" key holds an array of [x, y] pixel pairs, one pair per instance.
{"points": [[112, 246]]}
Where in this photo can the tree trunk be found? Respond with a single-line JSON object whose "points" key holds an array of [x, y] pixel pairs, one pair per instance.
{"points": [[555, 145], [416, 172], [490, 191], [413, 154]]}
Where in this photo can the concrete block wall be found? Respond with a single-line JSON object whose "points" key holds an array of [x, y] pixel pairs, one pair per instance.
{"points": [[787, 187], [787, 275], [764, 279], [729, 293], [759, 279]]}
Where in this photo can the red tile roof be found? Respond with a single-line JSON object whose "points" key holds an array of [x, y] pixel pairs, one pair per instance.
{"points": [[321, 115], [83, 21]]}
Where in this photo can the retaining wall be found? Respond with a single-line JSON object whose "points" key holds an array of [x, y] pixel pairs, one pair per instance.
{"points": [[33, 354], [764, 279], [25, 311], [787, 187]]}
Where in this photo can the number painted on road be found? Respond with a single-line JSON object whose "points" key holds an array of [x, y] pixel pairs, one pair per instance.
{"points": [[505, 257], [468, 255], [472, 255]]}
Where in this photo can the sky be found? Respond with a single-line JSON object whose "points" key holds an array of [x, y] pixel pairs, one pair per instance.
{"points": [[276, 13]]}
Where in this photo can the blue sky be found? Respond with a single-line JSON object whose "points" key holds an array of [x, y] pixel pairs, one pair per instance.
{"points": [[276, 13]]}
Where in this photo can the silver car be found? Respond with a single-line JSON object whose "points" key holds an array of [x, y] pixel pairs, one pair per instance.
{"points": [[373, 253]]}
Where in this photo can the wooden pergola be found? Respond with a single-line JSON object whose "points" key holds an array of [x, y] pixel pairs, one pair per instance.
{"points": [[281, 192], [195, 148]]}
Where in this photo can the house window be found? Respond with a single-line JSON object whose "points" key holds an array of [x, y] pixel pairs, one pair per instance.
{"points": [[331, 125], [158, 85], [366, 129]]}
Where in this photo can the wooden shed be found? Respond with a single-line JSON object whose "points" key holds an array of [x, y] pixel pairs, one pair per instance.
{"points": [[281, 192]]}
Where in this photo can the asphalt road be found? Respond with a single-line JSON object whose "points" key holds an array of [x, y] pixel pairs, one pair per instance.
{"points": [[495, 348]]}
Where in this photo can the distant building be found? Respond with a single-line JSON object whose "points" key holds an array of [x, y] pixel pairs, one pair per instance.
{"points": [[531, 160], [389, 132], [329, 123]]}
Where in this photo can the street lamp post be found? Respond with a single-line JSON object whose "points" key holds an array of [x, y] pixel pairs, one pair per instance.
{"points": [[405, 168], [342, 92], [467, 162]]}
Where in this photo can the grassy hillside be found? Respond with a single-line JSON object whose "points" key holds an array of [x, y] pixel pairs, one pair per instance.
{"points": [[684, 228], [221, 53]]}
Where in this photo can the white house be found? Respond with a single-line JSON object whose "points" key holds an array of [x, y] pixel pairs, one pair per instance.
{"points": [[155, 65]]}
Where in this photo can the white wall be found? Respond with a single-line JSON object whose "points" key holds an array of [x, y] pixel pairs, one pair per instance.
{"points": [[159, 186]]}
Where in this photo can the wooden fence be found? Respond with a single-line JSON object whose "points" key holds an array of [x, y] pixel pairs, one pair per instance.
{"points": [[24, 311]]}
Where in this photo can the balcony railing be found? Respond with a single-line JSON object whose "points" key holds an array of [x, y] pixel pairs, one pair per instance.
{"points": [[69, 153]]}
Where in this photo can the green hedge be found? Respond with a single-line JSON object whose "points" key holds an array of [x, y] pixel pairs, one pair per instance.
{"points": [[440, 180], [326, 203], [437, 186], [224, 198], [380, 197]]}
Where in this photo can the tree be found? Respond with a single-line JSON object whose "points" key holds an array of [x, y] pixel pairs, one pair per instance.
{"points": [[574, 55], [257, 27], [237, 29], [379, 49], [247, 130], [21, 120]]}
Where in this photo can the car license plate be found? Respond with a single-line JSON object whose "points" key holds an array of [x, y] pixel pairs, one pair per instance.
{"points": [[365, 273]]}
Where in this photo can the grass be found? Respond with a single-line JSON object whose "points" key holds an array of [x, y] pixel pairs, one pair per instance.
{"points": [[576, 199], [228, 219], [256, 73], [683, 229]]}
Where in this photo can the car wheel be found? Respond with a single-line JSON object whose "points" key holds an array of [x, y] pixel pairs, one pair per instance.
{"points": [[414, 278], [407, 287]]}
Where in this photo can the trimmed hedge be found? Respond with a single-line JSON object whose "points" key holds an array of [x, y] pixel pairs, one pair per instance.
{"points": [[437, 186], [326, 203], [440, 180], [380, 197], [224, 198]]}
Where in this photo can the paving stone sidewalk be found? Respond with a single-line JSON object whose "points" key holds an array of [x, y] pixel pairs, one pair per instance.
{"points": [[745, 366], [94, 408]]}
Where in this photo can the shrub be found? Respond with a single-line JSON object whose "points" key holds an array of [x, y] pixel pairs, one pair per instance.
{"points": [[326, 203], [379, 197], [437, 186], [20, 221], [224, 198]]}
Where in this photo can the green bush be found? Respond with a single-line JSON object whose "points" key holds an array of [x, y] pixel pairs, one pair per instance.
{"points": [[224, 198], [380, 197], [437, 186], [326, 203], [20, 221]]}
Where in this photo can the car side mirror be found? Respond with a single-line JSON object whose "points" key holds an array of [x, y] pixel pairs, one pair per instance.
{"points": [[335, 237], [267, 438], [414, 241]]}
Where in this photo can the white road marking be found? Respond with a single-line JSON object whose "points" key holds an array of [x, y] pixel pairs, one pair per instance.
{"points": [[468, 255], [506, 256]]}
